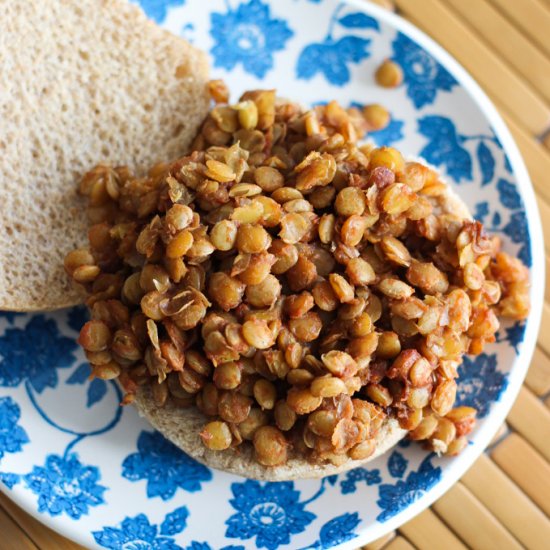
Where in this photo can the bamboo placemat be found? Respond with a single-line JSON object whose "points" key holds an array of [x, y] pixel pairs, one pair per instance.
{"points": [[503, 501]]}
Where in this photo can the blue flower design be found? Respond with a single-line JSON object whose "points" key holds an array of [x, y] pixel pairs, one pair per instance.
{"points": [[480, 383], [397, 464], [164, 466], [34, 354], [444, 147], [135, 534], [394, 498], [64, 484], [12, 436], [353, 477], [423, 75], [157, 9], [272, 513], [248, 35]]}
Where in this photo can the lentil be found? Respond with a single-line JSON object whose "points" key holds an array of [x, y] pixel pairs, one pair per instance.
{"points": [[280, 269]]}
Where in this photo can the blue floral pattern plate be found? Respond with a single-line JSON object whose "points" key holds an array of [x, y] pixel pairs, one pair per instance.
{"points": [[76, 460]]}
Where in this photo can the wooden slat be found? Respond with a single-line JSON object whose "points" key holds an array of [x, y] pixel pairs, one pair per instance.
{"points": [[500, 432], [386, 4], [508, 504], [544, 332], [380, 543], [507, 41], [426, 528], [547, 286], [531, 419], [399, 543], [544, 210], [477, 526], [525, 467], [538, 375], [12, 536], [532, 17], [536, 157], [491, 72], [43, 537]]}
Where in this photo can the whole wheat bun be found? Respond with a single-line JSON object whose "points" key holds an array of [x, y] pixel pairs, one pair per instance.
{"points": [[182, 426], [83, 82]]}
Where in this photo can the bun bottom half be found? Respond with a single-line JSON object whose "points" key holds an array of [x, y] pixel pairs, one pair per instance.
{"points": [[182, 426]]}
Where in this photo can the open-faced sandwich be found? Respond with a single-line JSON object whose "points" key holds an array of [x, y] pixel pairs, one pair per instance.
{"points": [[284, 302]]}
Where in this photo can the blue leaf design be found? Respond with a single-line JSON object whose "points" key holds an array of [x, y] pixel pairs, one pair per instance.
{"points": [[157, 9], [508, 194], [480, 383], [515, 335], [443, 148], [481, 210], [397, 464], [390, 134], [339, 530], [496, 219], [332, 479], [486, 163], [80, 375], [10, 316], [77, 316], [96, 391], [358, 21], [331, 58], [9, 480], [518, 231], [175, 522]]}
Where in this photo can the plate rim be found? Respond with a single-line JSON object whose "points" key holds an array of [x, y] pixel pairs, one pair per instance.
{"points": [[517, 374]]}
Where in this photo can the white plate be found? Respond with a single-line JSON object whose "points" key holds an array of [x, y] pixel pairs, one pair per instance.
{"points": [[96, 473]]}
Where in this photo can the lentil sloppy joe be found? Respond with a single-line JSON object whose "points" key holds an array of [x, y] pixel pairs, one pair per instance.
{"points": [[291, 289]]}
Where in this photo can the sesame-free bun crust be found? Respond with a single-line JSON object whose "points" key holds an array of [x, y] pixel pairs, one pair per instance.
{"points": [[182, 426], [83, 82]]}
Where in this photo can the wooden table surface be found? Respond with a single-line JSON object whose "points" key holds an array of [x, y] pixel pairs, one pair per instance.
{"points": [[503, 501]]}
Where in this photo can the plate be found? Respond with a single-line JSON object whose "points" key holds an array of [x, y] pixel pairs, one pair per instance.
{"points": [[95, 472]]}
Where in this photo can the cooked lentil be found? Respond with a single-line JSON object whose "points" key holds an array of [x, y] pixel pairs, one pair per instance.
{"points": [[294, 286]]}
